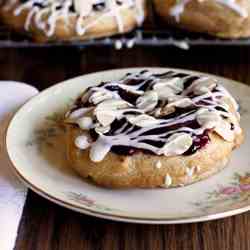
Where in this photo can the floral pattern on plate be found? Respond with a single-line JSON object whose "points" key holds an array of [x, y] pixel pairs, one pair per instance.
{"points": [[88, 202], [51, 130], [234, 195]]}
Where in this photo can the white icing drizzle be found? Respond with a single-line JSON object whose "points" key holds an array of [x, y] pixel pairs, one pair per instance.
{"points": [[158, 164], [177, 10], [168, 180], [118, 44], [182, 44], [140, 9], [85, 123], [54, 10], [82, 142], [115, 12], [99, 149], [33, 11], [130, 43], [141, 127], [190, 171]]}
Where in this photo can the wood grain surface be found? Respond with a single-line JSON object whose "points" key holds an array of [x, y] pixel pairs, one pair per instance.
{"points": [[46, 226]]}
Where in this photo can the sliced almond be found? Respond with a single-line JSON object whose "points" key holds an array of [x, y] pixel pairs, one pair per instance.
{"points": [[81, 142], [204, 85], [99, 96], [181, 102], [167, 110], [105, 117], [201, 86], [85, 96], [78, 113], [175, 83], [148, 101], [83, 7], [157, 112], [164, 93], [85, 123], [132, 89], [208, 119], [223, 129], [177, 144], [112, 104], [229, 103], [142, 120], [101, 129]]}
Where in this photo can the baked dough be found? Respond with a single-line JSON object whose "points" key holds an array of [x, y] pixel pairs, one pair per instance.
{"points": [[52, 23], [147, 166], [140, 170], [222, 18]]}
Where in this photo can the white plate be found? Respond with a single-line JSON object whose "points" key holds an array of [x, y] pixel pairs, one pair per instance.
{"points": [[35, 146]]}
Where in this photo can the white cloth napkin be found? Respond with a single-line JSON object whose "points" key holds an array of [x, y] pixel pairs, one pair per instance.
{"points": [[12, 192]]}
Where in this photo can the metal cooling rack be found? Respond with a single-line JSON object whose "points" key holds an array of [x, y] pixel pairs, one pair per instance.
{"points": [[151, 34]]}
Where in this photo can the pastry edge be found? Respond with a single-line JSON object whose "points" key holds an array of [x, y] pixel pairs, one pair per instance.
{"points": [[139, 170]]}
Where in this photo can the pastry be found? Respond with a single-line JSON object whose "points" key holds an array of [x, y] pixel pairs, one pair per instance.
{"points": [[222, 18], [152, 130], [49, 20]]}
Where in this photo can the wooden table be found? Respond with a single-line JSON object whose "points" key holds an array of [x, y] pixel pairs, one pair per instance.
{"points": [[46, 226]]}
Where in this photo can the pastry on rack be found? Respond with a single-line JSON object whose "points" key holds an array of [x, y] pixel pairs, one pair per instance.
{"points": [[222, 18], [49, 20], [152, 130]]}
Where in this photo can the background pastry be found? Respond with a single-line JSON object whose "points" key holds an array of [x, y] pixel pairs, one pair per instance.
{"points": [[72, 19], [152, 130], [223, 18]]}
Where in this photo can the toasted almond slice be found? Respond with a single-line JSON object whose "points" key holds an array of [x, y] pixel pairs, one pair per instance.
{"points": [[176, 84], [99, 96], [223, 129], [229, 103], [81, 142], [78, 113], [105, 117], [85, 123], [142, 120], [148, 101], [207, 119], [167, 110], [164, 93], [101, 129], [112, 104], [204, 85], [181, 102], [177, 144], [83, 7]]}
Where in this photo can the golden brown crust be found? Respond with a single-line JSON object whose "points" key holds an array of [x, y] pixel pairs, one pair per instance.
{"points": [[139, 170], [209, 17], [66, 31]]}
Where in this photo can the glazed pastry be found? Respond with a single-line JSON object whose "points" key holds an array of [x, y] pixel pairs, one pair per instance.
{"points": [[222, 18], [152, 130], [48, 20]]}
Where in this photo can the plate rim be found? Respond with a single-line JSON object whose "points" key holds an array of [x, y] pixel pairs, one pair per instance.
{"points": [[93, 211]]}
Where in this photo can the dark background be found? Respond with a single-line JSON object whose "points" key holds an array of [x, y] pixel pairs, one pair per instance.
{"points": [[46, 226]]}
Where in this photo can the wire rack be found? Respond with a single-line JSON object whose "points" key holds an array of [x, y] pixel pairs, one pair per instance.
{"points": [[151, 34]]}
